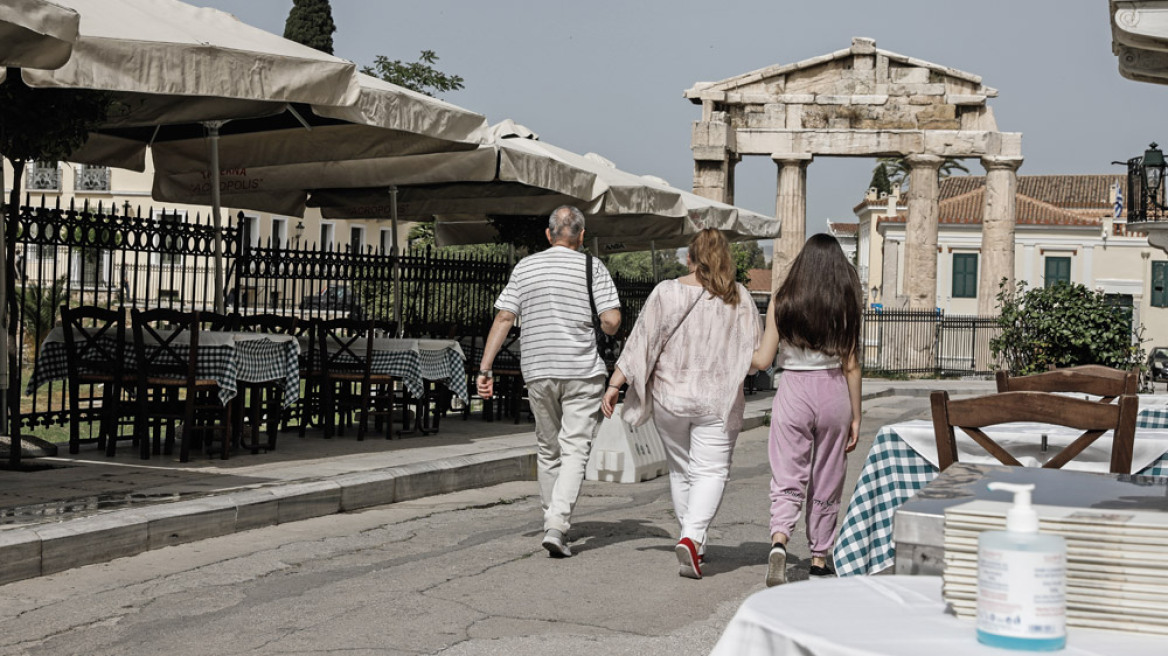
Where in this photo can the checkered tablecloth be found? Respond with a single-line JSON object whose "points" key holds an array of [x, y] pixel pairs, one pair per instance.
{"points": [[228, 359], [415, 361], [892, 474]]}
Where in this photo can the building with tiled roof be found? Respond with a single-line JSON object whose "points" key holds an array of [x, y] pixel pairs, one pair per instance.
{"points": [[1065, 229]]}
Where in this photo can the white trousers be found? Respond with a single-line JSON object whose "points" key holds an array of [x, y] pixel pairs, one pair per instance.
{"points": [[567, 413], [698, 451]]}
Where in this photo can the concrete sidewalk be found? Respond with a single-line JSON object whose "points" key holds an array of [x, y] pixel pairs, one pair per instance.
{"points": [[85, 509]]}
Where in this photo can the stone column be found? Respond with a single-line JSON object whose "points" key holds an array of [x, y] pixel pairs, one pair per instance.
{"points": [[920, 257], [997, 231], [791, 212]]}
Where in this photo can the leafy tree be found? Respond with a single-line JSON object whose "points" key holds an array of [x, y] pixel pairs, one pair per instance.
{"points": [[420, 76], [45, 124], [896, 170], [1063, 325], [880, 181], [421, 235], [311, 23], [639, 265], [38, 124], [747, 255]]}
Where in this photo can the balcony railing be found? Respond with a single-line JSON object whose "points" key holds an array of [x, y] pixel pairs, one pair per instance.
{"points": [[44, 176], [92, 178]]}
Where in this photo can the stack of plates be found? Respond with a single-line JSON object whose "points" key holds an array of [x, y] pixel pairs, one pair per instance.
{"points": [[1117, 562]]}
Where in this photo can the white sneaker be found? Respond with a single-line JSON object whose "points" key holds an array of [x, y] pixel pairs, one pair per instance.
{"points": [[776, 566], [553, 541]]}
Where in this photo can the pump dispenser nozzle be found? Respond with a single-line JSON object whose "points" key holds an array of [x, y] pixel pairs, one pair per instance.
{"points": [[1021, 518]]}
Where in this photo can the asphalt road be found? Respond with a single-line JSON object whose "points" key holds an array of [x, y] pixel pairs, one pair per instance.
{"points": [[457, 574]]}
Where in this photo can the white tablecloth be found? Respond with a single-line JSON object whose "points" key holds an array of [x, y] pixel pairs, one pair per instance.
{"points": [[875, 615]]}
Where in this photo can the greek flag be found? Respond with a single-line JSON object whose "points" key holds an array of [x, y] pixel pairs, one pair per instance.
{"points": [[1118, 200]]}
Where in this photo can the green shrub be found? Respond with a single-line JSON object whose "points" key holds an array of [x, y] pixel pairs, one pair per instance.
{"points": [[1064, 325]]}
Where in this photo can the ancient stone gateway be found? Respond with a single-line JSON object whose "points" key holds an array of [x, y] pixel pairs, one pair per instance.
{"points": [[863, 102]]}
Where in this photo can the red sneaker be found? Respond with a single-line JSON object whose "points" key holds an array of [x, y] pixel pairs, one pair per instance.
{"points": [[687, 557]]}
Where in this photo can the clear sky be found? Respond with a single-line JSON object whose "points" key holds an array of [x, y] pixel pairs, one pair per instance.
{"points": [[608, 76]]}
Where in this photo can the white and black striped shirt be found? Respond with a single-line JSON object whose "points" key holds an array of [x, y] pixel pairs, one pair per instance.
{"points": [[548, 291]]}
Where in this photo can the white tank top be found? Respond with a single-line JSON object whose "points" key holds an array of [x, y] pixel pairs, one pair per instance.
{"points": [[801, 359]]}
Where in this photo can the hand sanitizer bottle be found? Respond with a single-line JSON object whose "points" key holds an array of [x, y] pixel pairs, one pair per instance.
{"points": [[1021, 581]]}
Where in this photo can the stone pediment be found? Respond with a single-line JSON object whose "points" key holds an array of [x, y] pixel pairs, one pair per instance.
{"points": [[862, 69], [859, 88]]}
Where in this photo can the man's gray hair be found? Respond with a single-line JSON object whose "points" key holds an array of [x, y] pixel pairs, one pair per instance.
{"points": [[566, 222]]}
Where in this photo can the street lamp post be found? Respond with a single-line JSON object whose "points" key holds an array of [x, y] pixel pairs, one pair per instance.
{"points": [[1146, 210], [298, 232]]}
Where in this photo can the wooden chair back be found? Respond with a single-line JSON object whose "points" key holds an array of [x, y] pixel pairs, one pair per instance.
{"points": [[276, 324], [345, 347], [219, 322], [1092, 379], [1091, 417], [159, 347], [95, 343]]}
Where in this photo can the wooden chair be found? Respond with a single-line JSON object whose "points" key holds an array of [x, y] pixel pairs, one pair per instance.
{"points": [[1092, 417], [264, 397], [95, 346], [219, 322], [345, 354], [1087, 379], [169, 389]]}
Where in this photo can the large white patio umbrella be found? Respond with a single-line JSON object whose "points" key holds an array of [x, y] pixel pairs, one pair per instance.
{"points": [[390, 133], [515, 174], [39, 34], [167, 63], [269, 164], [36, 34]]}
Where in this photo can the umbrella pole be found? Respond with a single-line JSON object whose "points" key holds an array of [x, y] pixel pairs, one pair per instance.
{"points": [[4, 318], [653, 254], [213, 133], [397, 290]]}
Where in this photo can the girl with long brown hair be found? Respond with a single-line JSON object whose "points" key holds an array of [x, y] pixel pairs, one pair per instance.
{"points": [[684, 363], [814, 325]]}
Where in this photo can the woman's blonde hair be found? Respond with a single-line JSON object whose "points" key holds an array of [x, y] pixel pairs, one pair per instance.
{"points": [[709, 252]]}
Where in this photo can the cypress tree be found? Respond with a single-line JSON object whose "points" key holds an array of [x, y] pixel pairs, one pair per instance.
{"points": [[311, 23], [880, 181]]}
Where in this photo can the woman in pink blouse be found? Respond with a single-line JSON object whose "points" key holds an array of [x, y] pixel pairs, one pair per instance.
{"points": [[684, 363]]}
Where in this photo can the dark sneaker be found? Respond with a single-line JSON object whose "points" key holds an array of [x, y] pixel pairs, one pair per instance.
{"points": [[776, 566], [820, 571], [553, 541], [687, 557]]}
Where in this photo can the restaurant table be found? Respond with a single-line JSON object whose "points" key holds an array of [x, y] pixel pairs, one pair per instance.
{"points": [[874, 615], [415, 361], [228, 358], [903, 459]]}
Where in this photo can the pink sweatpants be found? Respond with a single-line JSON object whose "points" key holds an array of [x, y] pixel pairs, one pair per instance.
{"points": [[809, 432]]}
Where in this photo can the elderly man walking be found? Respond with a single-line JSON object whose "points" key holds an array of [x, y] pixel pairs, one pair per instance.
{"points": [[548, 292]]}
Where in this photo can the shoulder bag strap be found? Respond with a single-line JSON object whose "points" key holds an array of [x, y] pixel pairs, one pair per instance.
{"points": [[591, 298]]}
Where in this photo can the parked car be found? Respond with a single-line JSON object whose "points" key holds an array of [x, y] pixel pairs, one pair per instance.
{"points": [[1158, 363], [336, 300]]}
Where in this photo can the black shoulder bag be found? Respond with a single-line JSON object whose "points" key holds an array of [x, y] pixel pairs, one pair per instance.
{"points": [[606, 344]]}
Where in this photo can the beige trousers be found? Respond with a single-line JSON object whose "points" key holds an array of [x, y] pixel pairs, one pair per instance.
{"points": [[567, 413]]}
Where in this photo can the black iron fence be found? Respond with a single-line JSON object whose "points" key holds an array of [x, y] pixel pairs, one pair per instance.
{"points": [[129, 257], [108, 256], [915, 342]]}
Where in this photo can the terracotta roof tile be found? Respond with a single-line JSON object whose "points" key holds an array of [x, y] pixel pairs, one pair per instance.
{"points": [[760, 280], [968, 207], [1066, 191], [844, 228]]}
